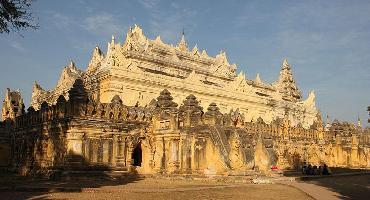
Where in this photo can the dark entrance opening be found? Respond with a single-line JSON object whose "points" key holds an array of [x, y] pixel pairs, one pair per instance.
{"points": [[137, 155]]}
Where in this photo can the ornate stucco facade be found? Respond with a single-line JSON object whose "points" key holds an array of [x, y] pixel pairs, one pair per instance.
{"points": [[157, 108], [140, 68]]}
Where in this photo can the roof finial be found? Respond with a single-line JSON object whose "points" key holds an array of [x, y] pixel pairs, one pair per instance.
{"points": [[183, 35], [285, 63], [358, 120], [71, 63], [327, 118], [182, 44], [113, 39]]}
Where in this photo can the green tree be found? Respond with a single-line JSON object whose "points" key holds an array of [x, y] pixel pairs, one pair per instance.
{"points": [[15, 15]]}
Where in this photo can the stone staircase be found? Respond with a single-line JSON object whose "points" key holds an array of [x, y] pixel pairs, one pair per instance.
{"points": [[219, 139]]}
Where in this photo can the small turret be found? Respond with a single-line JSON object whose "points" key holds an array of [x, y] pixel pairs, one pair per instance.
{"points": [[190, 111], [213, 115], [13, 105], [165, 100]]}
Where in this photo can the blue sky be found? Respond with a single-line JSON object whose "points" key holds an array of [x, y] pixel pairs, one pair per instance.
{"points": [[326, 42]]}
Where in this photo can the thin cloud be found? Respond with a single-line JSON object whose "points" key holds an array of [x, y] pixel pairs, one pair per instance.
{"points": [[103, 24], [149, 4], [18, 46], [61, 21], [169, 24]]}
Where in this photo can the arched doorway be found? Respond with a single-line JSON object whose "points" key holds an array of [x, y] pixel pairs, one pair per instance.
{"points": [[137, 155]]}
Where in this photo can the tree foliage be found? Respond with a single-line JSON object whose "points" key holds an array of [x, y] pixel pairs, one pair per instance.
{"points": [[15, 15]]}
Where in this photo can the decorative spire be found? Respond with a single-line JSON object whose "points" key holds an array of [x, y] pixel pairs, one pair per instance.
{"points": [[359, 121], [36, 86], [327, 123], [191, 104], [222, 58], [164, 100], [195, 50], [138, 34], [327, 119], [158, 40], [37, 89], [77, 92], [72, 64], [310, 102], [286, 83], [204, 54], [258, 79], [213, 109], [241, 76], [194, 78], [116, 100], [96, 59], [113, 39], [182, 45], [285, 64]]}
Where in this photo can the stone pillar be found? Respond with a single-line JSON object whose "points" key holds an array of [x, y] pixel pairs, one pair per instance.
{"points": [[174, 125], [83, 149], [114, 150], [105, 145], [100, 151], [110, 151], [160, 155], [91, 150], [192, 147], [174, 163], [174, 150], [120, 147], [354, 152], [166, 159], [186, 154], [128, 156], [95, 151]]}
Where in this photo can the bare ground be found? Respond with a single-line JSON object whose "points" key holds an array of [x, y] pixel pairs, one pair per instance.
{"points": [[350, 186], [170, 189]]}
